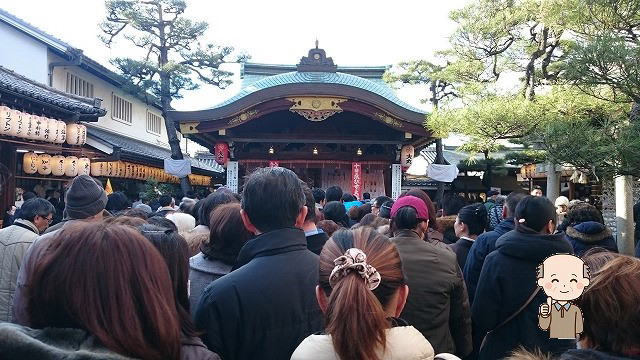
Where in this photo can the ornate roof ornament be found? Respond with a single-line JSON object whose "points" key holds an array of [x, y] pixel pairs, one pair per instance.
{"points": [[316, 61], [316, 108]]}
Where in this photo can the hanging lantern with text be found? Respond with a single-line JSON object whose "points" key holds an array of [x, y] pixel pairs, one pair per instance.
{"points": [[29, 126], [76, 134], [84, 166], [57, 165], [406, 156], [61, 132], [30, 163], [71, 166], [97, 168], [222, 153], [44, 164], [6, 114]]}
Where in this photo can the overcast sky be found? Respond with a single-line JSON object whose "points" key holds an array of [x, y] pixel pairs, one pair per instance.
{"points": [[353, 32]]}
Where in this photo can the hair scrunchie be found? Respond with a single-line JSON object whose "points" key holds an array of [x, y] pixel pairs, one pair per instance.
{"points": [[354, 260]]}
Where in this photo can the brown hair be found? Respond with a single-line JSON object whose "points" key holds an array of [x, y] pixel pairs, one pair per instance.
{"points": [[596, 258], [328, 226], [427, 200], [227, 234], [611, 309], [110, 281], [126, 220], [355, 316]]}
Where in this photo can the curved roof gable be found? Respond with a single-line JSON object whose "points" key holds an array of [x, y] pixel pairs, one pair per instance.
{"points": [[333, 78]]}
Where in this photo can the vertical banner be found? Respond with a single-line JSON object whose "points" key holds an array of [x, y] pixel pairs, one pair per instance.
{"points": [[232, 176], [396, 181], [356, 180], [274, 163]]}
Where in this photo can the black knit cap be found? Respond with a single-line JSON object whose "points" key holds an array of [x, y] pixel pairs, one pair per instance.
{"points": [[85, 198]]}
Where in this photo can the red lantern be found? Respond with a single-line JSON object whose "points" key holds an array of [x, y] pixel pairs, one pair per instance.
{"points": [[222, 153]]}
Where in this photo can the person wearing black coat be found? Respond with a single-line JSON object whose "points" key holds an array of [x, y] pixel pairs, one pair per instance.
{"points": [[470, 222], [315, 237], [508, 279], [486, 243], [266, 306], [586, 235]]}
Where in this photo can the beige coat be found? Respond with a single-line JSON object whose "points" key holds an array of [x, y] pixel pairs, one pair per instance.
{"points": [[562, 324], [14, 242], [403, 343]]}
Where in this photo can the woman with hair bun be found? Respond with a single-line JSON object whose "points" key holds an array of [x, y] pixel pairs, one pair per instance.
{"points": [[508, 284], [470, 223], [362, 291]]}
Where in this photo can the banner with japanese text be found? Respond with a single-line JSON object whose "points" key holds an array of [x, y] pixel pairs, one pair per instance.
{"points": [[356, 180]]}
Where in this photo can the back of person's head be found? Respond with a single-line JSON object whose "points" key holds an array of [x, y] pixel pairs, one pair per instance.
{"points": [[373, 221], [366, 196], [583, 213], [85, 198], [354, 213], [596, 257], [28, 196], [534, 213], [385, 209], [272, 198], [430, 206], [611, 309], [227, 234], [319, 195], [125, 220], [380, 200], [355, 314], [195, 211], [165, 200], [328, 226], [136, 212], [513, 199], [145, 208], [333, 193], [163, 222], [36, 207], [475, 217], [213, 200], [408, 213], [336, 212], [346, 197], [173, 248], [452, 204], [184, 222], [186, 205], [310, 203], [125, 300], [117, 202]]}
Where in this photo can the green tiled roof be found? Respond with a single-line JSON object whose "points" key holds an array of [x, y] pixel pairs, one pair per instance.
{"points": [[337, 78]]}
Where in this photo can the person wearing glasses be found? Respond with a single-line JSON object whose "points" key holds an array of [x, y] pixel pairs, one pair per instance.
{"points": [[35, 217]]}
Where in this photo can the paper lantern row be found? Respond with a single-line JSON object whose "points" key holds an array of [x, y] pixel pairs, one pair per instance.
{"points": [[200, 180], [57, 165], [127, 170], [33, 127]]}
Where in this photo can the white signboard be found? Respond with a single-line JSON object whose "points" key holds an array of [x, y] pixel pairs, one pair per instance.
{"points": [[396, 181], [232, 176]]}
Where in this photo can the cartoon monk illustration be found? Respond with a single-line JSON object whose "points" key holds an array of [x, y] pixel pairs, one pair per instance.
{"points": [[563, 278]]}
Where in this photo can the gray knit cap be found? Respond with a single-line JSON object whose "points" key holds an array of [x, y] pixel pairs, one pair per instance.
{"points": [[85, 198]]}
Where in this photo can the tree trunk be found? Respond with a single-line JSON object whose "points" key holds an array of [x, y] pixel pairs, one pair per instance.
{"points": [[624, 214], [553, 182], [165, 99], [488, 172], [439, 160]]}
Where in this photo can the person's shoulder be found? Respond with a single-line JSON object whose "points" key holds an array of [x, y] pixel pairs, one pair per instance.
{"points": [[406, 342], [194, 349], [315, 347]]}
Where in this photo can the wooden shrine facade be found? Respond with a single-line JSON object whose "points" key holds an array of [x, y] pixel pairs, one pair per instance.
{"points": [[315, 118]]}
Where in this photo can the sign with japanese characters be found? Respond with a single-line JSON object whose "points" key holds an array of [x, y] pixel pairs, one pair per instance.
{"points": [[356, 180], [396, 180], [232, 176]]}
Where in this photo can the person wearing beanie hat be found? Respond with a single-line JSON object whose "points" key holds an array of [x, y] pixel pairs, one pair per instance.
{"points": [[437, 304], [562, 206], [85, 200]]}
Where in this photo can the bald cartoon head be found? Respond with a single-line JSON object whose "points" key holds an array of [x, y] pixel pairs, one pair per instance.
{"points": [[563, 277]]}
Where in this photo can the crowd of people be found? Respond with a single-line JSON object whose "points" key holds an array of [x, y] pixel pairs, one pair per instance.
{"points": [[284, 271]]}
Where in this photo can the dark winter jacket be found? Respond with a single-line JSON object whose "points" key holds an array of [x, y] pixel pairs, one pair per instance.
{"points": [[437, 304], [266, 306], [461, 248], [316, 242], [588, 234], [507, 280], [484, 244], [202, 272], [589, 354]]}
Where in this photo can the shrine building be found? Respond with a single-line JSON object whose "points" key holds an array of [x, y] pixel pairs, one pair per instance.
{"points": [[332, 125]]}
